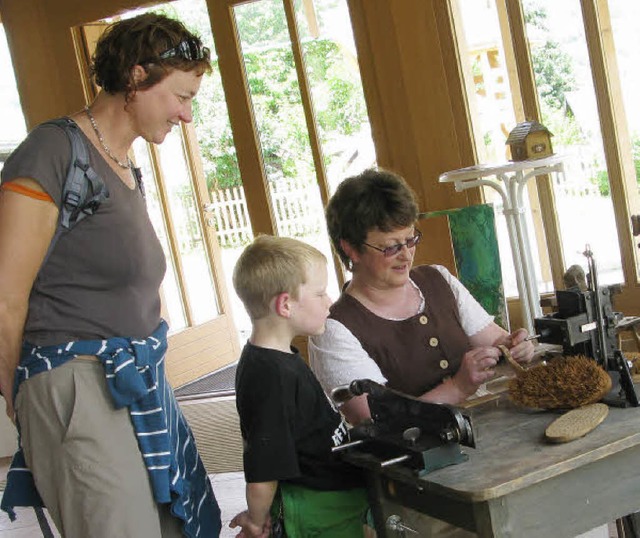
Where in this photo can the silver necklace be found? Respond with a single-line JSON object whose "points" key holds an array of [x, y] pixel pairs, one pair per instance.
{"points": [[127, 165]]}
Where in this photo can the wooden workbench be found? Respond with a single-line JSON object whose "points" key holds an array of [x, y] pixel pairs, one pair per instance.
{"points": [[515, 484]]}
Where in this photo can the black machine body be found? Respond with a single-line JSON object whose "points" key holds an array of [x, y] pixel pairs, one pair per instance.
{"points": [[404, 430], [585, 324]]}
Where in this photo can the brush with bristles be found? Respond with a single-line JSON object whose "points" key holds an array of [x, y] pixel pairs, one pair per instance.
{"points": [[563, 383]]}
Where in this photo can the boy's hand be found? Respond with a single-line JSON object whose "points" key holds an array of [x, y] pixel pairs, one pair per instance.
{"points": [[249, 528]]}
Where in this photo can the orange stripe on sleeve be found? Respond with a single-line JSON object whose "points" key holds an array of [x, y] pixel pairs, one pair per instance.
{"points": [[31, 193]]}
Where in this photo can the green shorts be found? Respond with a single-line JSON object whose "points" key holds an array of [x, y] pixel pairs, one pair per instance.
{"points": [[311, 513]]}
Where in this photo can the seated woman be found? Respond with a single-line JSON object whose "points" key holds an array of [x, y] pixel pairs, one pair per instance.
{"points": [[417, 330]]}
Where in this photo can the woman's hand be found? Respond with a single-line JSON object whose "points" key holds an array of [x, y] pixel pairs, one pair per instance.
{"points": [[5, 392], [477, 367], [11, 412], [522, 350]]}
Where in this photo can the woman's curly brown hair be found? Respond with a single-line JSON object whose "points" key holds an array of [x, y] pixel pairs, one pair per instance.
{"points": [[140, 41]]}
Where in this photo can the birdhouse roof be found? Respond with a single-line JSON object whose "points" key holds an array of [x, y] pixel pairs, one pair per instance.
{"points": [[521, 130]]}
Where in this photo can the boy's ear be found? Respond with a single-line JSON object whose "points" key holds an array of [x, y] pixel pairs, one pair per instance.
{"points": [[282, 304]]}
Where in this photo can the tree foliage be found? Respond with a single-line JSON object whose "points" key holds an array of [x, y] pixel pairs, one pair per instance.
{"points": [[554, 74], [601, 178], [275, 95], [552, 66]]}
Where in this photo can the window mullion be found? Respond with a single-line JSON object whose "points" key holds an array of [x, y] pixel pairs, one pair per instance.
{"points": [[613, 124], [243, 125], [312, 125], [307, 99], [518, 107], [531, 109], [172, 239]]}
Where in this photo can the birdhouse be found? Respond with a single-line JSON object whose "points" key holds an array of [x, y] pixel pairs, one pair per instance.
{"points": [[529, 140]]}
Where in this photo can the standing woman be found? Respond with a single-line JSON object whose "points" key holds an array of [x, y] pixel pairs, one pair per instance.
{"points": [[81, 339]]}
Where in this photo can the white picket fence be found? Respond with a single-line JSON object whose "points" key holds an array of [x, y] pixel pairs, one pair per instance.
{"points": [[298, 208], [230, 216], [296, 204]]}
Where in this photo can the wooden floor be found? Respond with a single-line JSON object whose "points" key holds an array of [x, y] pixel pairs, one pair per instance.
{"points": [[229, 489]]}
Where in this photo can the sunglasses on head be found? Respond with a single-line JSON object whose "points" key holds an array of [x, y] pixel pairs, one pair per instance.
{"points": [[395, 249], [190, 49]]}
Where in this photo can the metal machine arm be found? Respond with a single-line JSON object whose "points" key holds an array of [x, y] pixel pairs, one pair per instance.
{"points": [[425, 436], [585, 323]]}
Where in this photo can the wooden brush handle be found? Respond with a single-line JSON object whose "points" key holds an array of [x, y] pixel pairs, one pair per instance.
{"points": [[514, 363]]}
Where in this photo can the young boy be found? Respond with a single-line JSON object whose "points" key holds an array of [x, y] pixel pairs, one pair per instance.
{"points": [[288, 424]]}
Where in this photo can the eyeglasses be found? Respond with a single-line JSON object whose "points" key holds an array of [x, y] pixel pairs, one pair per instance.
{"points": [[395, 249], [190, 49]]}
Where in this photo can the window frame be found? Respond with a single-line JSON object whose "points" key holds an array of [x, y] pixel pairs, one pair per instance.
{"points": [[613, 124]]}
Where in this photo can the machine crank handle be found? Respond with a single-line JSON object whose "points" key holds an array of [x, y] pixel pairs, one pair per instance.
{"points": [[394, 523]]}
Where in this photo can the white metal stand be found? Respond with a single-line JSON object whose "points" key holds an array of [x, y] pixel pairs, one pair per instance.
{"points": [[509, 180]]}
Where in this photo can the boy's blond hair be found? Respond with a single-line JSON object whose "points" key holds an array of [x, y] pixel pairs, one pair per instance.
{"points": [[270, 266]]}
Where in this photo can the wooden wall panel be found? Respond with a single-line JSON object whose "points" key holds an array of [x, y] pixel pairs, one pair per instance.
{"points": [[414, 99], [411, 106], [43, 53]]}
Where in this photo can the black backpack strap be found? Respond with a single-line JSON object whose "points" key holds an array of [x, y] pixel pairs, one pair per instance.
{"points": [[83, 190]]}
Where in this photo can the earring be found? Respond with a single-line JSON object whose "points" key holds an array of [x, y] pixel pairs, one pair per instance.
{"points": [[350, 265]]}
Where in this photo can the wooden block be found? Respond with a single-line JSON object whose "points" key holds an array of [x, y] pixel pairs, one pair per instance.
{"points": [[576, 423]]}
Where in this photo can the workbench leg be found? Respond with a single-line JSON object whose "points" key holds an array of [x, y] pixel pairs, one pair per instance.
{"points": [[492, 520], [375, 496], [628, 526]]}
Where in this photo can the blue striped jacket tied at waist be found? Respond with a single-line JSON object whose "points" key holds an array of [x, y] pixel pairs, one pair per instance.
{"points": [[135, 376]]}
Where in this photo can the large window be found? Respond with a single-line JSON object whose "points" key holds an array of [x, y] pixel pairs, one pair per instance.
{"points": [[567, 101], [306, 127], [295, 96], [627, 45], [575, 89], [308, 105], [12, 128]]}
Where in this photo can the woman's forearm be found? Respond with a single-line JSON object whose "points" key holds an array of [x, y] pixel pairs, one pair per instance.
{"points": [[26, 228], [11, 328]]}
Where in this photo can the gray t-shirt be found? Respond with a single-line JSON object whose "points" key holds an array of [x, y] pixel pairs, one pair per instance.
{"points": [[102, 278]]}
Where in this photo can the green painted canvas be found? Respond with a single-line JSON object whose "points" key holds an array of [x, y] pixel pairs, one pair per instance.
{"points": [[475, 249]]}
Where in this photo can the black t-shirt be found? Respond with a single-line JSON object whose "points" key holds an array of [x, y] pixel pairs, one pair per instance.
{"points": [[288, 424]]}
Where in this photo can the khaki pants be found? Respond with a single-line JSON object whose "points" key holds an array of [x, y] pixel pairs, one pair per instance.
{"points": [[84, 457]]}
